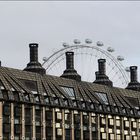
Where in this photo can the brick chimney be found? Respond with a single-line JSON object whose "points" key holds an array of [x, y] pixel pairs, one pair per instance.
{"points": [[101, 77], [134, 84], [34, 65], [70, 72]]}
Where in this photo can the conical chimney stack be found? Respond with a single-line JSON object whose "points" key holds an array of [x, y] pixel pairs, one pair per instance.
{"points": [[134, 84], [34, 65], [101, 77], [70, 72]]}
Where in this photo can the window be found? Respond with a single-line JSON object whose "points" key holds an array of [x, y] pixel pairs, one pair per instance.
{"points": [[6, 110], [133, 101], [69, 91], [49, 130], [6, 128], [28, 132], [31, 85], [5, 94], [26, 97], [6, 119], [56, 101], [28, 122], [103, 97], [16, 96], [38, 132], [37, 99], [67, 118], [38, 117], [47, 99], [17, 129], [1, 86], [17, 111], [67, 134]]}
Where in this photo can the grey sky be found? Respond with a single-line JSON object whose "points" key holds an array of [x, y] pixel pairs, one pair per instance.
{"points": [[117, 24]]}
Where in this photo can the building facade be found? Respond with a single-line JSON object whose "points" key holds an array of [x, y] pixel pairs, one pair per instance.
{"points": [[37, 106]]}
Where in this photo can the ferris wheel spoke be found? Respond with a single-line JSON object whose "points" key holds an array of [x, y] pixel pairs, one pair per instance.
{"points": [[86, 63], [114, 76], [93, 63], [111, 70]]}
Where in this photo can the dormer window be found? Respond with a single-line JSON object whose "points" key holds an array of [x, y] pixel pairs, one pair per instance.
{"points": [[103, 97], [69, 91]]}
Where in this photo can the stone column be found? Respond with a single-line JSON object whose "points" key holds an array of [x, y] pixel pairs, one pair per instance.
{"points": [[106, 117], [54, 133], [138, 134], [98, 126], [1, 120], [90, 127], [33, 123], [72, 125], [63, 123], [81, 122], [114, 118], [43, 123], [12, 121], [130, 128], [23, 122], [122, 127]]}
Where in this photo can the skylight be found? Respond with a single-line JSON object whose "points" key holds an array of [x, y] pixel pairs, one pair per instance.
{"points": [[134, 102], [69, 91], [103, 97]]}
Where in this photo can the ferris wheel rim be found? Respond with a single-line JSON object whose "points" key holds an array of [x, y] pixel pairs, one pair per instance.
{"points": [[78, 46]]}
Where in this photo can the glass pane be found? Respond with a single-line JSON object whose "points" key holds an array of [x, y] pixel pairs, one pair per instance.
{"points": [[103, 97], [69, 91]]}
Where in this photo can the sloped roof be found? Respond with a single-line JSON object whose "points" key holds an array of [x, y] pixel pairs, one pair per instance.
{"points": [[28, 87]]}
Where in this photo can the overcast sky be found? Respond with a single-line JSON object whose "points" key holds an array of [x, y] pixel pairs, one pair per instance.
{"points": [[117, 24]]}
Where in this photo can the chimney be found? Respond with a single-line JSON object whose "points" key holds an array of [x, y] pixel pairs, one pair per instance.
{"points": [[101, 77], [70, 60], [33, 52], [70, 72], [134, 84], [101, 65], [34, 65]]}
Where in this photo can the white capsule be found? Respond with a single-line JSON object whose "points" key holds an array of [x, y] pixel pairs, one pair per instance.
{"points": [[88, 41], [99, 43], [127, 69], [109, 49], [65, 44], [76, 41], [44, 59], [120, 58]]}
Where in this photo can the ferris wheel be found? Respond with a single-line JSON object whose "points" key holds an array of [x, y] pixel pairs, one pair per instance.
{"points": [[85, 62]]}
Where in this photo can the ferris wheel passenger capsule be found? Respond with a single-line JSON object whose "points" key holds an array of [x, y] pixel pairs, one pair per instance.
{"points": [[65, 44], [99, 43], [120, 58], [44, 59], [127, 69], [77, 41], [109, 49], [88, 41]]}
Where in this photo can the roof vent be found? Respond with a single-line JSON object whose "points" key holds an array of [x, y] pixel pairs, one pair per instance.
{"points": [[101, 77], [70, 72], [34, 65], [134, 84]]}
